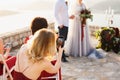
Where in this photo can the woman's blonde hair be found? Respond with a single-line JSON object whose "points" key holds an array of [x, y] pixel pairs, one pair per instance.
{"points": [[42, 44]]}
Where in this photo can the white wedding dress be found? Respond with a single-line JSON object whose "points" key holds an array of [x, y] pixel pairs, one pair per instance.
{"points": [[74, 45]]}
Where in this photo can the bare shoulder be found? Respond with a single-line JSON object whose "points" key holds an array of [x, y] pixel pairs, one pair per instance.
{"points": [[42, 65], [45, 63]]}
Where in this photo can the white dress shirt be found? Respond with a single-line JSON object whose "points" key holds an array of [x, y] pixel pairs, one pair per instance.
{"points": [[61, 13]]}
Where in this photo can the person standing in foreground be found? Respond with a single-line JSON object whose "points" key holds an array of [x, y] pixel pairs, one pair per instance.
{"points": [[61, 17]]}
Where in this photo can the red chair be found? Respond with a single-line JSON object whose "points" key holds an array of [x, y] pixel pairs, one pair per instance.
{"points": [[8, 67], [1, 66], [11, 62], [48, 76]]}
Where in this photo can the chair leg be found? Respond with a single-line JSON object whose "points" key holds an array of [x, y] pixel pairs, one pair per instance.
{"points": [[5, 69]]}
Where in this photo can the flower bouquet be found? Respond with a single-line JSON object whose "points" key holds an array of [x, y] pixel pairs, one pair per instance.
{"points": [[84, 15]]}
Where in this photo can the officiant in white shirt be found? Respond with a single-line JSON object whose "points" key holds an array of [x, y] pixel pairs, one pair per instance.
{"points": [[61, 20]]}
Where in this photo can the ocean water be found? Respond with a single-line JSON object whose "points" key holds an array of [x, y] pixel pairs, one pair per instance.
{"points": [[26, 10], [17, 14], [18, 21]]}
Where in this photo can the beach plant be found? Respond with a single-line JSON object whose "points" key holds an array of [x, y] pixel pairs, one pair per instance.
{"points": [[109, 39]]}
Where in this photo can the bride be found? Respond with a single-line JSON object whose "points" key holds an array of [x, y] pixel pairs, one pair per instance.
{"points": [[78, 42]]}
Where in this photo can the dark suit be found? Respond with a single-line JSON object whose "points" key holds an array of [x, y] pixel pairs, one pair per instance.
{"points": [[63, 32]]}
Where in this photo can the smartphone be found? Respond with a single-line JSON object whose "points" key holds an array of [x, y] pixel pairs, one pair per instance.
{"points": [[8, 45], [60, 41]]}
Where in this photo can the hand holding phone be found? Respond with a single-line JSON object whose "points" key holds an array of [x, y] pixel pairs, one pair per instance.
{"points": [[7, 47]]}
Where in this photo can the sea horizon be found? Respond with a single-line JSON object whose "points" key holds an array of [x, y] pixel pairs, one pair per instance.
{"points": [[21, 14]]}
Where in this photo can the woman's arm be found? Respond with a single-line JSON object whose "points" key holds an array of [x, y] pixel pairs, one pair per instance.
{"points": [[54, 68], [7, 49], [7, 52]]}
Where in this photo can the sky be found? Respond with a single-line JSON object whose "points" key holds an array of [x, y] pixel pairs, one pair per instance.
{"points": [[41, 8], [13, 4], [38, 4], [16, 4]]}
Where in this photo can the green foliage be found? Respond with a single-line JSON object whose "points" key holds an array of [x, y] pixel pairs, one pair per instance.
{"points": [[109, 39]]}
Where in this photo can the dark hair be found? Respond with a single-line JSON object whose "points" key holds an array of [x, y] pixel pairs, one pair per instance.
{"points": [[66, 2], [38, 23]]}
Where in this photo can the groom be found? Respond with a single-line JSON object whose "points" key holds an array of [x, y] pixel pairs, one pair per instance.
{"points": [[61, 17]]}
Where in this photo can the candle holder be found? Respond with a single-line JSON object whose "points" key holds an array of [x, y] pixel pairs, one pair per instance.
{"points": [[109, 16]]}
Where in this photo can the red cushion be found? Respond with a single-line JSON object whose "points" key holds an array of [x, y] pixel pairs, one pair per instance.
{"points": [[11, 62], [46, 74], [1, 68]]}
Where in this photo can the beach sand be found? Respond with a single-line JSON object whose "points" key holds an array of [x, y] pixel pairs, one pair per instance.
{"points": [[83, 68]]}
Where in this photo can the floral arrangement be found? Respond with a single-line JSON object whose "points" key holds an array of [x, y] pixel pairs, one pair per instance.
{"points": [[109, 39], [85, 14]]}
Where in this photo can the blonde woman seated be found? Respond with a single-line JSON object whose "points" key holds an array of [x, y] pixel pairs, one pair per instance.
{"points": [[34, 57], [4, 49]]}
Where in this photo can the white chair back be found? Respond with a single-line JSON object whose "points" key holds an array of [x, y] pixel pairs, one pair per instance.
{"points": [[6, 70]]}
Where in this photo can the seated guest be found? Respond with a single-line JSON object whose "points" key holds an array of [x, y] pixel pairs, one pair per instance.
{"points": [[35, 56], [5, 51], [37, 23]]}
